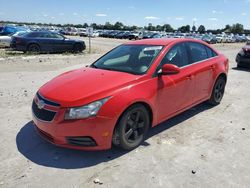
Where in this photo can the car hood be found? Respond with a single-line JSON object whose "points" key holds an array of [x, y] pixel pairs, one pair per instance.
{"points": [[85, 85]]}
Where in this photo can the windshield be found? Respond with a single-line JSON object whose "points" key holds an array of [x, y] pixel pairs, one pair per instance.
{"points": [[19, 33], [134, 59]]}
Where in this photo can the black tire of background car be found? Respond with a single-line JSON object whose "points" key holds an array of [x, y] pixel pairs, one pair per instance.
{"points": [[34, 48]]}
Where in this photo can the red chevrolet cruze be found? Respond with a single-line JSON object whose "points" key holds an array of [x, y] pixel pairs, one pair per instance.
{"points": [[133, 87]]}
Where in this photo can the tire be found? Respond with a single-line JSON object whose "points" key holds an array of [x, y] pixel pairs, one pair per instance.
{"points": [[218, 91], [77, 48], [34, 48], [132, 127]]}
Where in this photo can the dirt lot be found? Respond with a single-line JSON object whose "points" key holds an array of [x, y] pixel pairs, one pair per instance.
{"points": [[202, 147]]}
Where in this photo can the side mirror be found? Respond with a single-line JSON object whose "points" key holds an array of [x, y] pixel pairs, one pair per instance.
{"points": [[169, 69]]}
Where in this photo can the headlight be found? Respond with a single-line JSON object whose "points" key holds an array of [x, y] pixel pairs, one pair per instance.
{"points": [[85, 111]]}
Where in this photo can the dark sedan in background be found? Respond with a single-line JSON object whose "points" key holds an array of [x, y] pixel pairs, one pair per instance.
{"points": [[46, 42], [243, 57]]}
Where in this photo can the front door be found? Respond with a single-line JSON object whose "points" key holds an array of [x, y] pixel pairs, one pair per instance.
{"points": [[174, 92]]}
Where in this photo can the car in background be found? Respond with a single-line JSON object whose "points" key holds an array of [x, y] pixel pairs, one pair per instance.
{"points": [[124, 35], [46, 42], [243, 57], [221, 38], [151, 35], [84, 34], [6, 40], [120, 35], [88, 109], [95, 34], [9, 30], [135, 35], [210, 39]]}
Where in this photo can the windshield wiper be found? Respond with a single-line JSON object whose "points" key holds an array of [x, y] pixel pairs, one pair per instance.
{"points": [[94, 66], [119, 70], [112, 69]]}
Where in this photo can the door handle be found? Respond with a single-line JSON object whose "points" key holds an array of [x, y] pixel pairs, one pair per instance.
{"points": [[212, 67], [189, 77]]}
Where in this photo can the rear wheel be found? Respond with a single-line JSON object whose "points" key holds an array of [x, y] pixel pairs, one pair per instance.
{"points": [[218, 91], [132, 127], [34, 48]]}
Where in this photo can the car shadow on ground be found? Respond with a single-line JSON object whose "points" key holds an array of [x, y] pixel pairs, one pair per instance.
{"points": [[43, 153], [245, 69]]}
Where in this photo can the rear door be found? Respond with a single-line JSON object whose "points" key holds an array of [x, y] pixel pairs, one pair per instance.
{"points": [[202, 60]]}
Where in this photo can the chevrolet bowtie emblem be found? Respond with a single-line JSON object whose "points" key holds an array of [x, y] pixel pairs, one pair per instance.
{"points": [[40, 104]]}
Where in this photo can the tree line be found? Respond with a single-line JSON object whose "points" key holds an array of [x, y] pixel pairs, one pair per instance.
{"points": [[235, 28]]}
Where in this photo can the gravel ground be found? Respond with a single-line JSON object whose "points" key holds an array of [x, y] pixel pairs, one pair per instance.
{"points": [[202, 147]]}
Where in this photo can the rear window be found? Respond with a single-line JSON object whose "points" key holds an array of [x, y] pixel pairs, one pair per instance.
{"points": [[210, 52], [197, 51]]}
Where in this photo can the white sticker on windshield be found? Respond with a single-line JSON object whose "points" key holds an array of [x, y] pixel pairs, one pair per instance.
{"points": [[152, 48]]}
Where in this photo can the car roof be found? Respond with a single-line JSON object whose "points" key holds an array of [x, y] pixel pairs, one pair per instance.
{"points": [[162, 41]]}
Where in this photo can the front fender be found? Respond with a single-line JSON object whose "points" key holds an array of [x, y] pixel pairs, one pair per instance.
{"points": [[143, 92]]}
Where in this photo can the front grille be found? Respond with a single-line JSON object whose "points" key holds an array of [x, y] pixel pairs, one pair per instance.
{"points": [[46, 101], [42, 114], [247, 54], [45, 135], [81, 141]]}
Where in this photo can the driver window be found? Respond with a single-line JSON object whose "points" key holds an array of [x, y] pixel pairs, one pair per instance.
{"points": [[177, 55]]}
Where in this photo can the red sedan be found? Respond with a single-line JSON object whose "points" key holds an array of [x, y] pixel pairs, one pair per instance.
{"points": [[133, 87]]}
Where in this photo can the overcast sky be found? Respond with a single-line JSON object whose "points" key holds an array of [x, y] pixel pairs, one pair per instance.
{"points": [[211, 13]]}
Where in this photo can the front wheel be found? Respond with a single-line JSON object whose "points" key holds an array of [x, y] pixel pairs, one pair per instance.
{"points": [[34, 48], [218, 91], [132, 127]]}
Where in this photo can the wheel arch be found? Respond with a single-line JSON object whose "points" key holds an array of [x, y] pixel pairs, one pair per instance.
{"points": [[145, 104], [223, 75], [30, 43]]}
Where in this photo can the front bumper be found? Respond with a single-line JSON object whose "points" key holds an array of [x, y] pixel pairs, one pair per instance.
{"points": [[243, 61], [99, 130], [93, 133]]}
